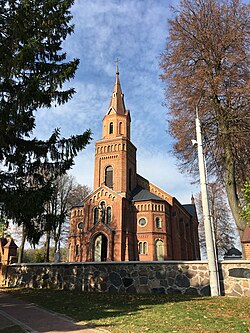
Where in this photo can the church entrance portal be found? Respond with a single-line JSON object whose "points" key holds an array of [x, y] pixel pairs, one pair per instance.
{"points": [[159, 249], [100, 248]]}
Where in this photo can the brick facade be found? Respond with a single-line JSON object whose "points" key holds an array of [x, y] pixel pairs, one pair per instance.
{"points": [[246, 242], [126, 217]]}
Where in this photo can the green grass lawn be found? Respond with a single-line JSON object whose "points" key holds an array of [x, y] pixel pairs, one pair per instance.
{"points": [[146, 313]]}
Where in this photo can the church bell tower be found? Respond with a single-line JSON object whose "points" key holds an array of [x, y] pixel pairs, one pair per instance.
{"points": [[115, 155]]}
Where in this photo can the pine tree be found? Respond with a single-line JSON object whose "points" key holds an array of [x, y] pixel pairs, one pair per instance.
{"points": [[33, 69]]}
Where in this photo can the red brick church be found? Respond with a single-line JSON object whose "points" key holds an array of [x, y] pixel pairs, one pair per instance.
{"points": [[126, 217]]}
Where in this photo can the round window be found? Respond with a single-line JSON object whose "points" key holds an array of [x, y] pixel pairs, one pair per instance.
{"points": [[142, 222], [80, 225]]}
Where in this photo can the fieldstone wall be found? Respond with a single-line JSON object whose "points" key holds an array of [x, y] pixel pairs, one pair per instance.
{"points": [[171, 277], [235, 277]]}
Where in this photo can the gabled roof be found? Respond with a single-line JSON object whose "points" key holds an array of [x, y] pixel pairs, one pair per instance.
{"points": [[190, 208], [246, 235], [100, 188], [80, 204], [11, 244], [3, 241], [141, 194], [96, 227]]}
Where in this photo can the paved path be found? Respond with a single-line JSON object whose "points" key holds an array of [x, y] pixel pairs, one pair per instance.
{"points": [[30, 317]]}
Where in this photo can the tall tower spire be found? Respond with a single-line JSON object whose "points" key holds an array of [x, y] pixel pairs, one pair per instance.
{"points": [[117, 99], [115, 158]]}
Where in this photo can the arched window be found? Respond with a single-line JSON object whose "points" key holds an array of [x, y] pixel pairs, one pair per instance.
{"points": [[102, 211], [158, 222], [96, 211], [140, 248], [109, 177], [108, 215], [111, 128], [77, 249], [121, 131], [143, 247]]}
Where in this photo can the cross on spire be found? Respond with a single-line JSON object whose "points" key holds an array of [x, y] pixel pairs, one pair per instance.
{"points": [[117, 68], [117, 101]]}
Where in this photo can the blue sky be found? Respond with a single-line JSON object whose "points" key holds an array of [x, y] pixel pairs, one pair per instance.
{"points": [[135, 32]]}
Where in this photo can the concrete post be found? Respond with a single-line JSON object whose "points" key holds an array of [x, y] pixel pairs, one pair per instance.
{"points": [[211, 252]]}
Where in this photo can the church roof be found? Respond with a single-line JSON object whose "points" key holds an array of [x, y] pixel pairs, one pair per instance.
{"points": [[233, 252], [141, 194], [80, 204], [117, 101], [190, 208], [246, 235], [11, 244]]}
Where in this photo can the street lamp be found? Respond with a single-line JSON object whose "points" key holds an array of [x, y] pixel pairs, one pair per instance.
{"points": [[209, 236]]}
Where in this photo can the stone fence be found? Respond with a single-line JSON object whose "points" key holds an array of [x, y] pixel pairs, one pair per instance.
{"points": [[168, 277]]}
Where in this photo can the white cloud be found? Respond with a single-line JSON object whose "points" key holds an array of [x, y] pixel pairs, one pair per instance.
{"points": [[160, 168], [134, 31], [83, 170]]}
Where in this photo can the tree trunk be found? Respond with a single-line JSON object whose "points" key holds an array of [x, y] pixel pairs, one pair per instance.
{"points": [[47, 247], [231, 189], [57, 237], [56, 245], [21, 248]]}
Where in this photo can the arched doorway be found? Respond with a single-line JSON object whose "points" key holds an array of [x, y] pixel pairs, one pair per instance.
{"points": [[159, 250], [100, 248]]}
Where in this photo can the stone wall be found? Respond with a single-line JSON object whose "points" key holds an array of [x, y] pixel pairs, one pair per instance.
{"points": [[171, 277], [236, 277]]}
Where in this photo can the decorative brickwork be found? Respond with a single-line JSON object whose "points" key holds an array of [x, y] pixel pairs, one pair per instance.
{"points": [[247, 250], [107, 226]]}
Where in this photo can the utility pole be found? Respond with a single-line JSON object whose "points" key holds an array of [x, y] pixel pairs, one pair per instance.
{"points": [[209, 236]]}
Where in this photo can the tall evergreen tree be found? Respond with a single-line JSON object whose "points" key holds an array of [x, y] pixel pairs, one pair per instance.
{"points": [[33, 69]]}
